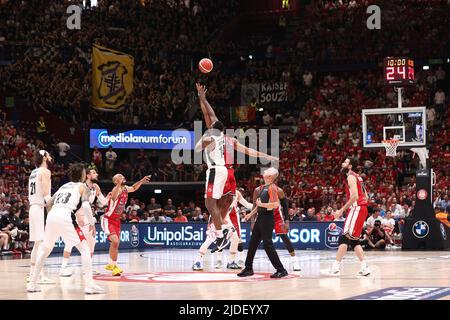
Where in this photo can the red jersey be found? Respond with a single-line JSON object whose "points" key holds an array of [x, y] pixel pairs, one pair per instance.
{"points": [[362, 200], [228, 152], [115, 208]]}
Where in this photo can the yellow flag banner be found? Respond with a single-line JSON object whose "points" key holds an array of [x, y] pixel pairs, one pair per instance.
{"points": [[112, 78]]}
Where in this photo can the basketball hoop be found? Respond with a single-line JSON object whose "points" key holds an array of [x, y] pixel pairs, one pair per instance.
{"points": [[391, 147]]}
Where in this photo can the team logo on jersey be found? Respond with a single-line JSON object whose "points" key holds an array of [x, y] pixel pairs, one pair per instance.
{"points": [[420, 229], [332, 234], [134, 236], [422, 194], [188, 277], [443, 232]]}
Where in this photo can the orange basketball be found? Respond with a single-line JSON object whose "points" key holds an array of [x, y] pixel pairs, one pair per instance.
{"points": [[205, 65]]}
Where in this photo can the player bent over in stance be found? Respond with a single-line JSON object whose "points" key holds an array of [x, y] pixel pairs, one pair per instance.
{"points": [[39, 187], [235, 239], [61, 223], [95, 194], [282, 227], [111, 218], [357, 213]]}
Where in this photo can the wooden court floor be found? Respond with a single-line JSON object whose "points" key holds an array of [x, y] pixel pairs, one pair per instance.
{"points": [[166, 274]]}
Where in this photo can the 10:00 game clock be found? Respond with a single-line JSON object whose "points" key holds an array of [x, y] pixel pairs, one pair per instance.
{"points": [[399, 71]]}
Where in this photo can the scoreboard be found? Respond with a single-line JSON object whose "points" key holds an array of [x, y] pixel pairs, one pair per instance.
{"points": [[399, 71]]}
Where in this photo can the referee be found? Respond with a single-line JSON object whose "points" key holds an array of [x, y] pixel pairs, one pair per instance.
{"points": [[265, 199]]}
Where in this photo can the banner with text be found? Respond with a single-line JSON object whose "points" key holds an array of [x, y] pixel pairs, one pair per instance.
{"points": [[142, 139], [265, 92], [303, 235]]}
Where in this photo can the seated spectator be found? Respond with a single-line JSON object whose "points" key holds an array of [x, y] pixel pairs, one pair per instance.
{"points": [[141, 210], [197, 215], [329, 216], [157, 218], [154, 207], [179, 217], [377, 236], [293, 214], [374, 217], [310, 216], [145, 217], [133, 216], [169, 208], [124, 218], [132, 206], [388, 224], [189, 210]]}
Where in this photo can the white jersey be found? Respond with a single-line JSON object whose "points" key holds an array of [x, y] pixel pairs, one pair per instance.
{"points": [[68, 197], [35, 189], [216, 157], [82, 219]]}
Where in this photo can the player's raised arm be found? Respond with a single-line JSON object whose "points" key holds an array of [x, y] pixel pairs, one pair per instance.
{"points": [[101, 198], [203, 143], [353, 187], [252, 152], [244, 202], [138, 184], [207, 110]]}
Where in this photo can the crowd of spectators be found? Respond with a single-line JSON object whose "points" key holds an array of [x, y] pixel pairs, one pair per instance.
{"points": [[51, 68]]}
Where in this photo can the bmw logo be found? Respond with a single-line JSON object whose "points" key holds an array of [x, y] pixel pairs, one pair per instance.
{"points": [[420, 229], [444, 234]]}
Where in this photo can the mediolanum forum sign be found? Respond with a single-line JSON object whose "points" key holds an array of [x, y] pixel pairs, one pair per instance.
{"points": [[142, 139]]}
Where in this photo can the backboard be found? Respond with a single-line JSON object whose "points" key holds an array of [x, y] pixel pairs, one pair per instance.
{"points": [[408, 125]]}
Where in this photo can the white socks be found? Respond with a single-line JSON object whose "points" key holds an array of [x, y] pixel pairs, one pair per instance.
{"points": [[363, 264], [112, 262], [336, 265]]}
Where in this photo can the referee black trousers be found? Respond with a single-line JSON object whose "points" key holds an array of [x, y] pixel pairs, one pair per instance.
{"points": [[262, 231]]}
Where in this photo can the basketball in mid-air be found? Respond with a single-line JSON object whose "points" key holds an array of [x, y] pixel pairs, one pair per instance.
{"points": [[205, 65]]}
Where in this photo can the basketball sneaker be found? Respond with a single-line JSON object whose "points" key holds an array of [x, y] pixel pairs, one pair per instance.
{"points": [[332, 272], [233, 265], [197, 266], [33, 288], [245, 273], [279, 274], [241, 263], [109, 267], [218, 264], [295, 264], [95, 273], [364, 271], [94, 289], [65, 272], [223, 242], [116, 271]]}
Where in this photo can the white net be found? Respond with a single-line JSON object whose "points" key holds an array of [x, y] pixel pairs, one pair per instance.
{"points": [[391, 147]]}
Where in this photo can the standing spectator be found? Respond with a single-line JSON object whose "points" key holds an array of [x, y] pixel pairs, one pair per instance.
{"points": [[63, 148], [180, 217], [111, 158], [169, 208], [97, 158], [439, 100]]}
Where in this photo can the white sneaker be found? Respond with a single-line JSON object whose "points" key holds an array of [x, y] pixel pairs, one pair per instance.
{"points": [[45, 280], [331, 272], [219, 264], [94, 289], [198, 266], [95, 273], [241, 263], [296, 266], [33, 288], [65, 272], [364, 271]]}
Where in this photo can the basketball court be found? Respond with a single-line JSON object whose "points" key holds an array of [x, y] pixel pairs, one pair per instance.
{"points": [[167, 275]]}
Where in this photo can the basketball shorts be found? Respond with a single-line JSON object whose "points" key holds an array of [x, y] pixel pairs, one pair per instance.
{"points": [[37, 222], [110, 226], [61, 223], [216, 177], [230, 184], [234, 218], [280, 227], [354, 222]]}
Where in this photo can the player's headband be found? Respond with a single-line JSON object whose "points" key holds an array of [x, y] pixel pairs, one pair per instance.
{"points": [[43, 153]]}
